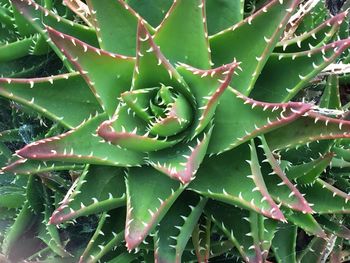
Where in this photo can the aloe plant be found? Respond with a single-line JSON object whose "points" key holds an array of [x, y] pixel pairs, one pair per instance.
{"points": [[177, 126]]}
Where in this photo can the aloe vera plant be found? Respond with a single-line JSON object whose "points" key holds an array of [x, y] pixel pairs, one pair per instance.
{"points": [[178, 128]]}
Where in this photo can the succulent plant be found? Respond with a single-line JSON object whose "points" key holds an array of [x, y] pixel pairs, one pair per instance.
{"points": [[179, 128]]}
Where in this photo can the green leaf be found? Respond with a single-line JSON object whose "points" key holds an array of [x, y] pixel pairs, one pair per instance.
{"points": [[108, 235], [293, 71], [16, 49], [264, 29], [34, 194], [222, 14], [116, 25], [250, 118], [5, 154], [201, 239], [278, 184], [149, 196], [48, 233], [312, 126], [81, 145], [228, 178], [305, 221], [334, 226], [139, 102], [107, 74], [98, 189], [326, 199], [284, 243], [29, 167], [153, 11], [331, 98], [178, 116], [236, 225], [40, 17], [152, 69], [314, 252], [12, 196], [23, 26], [206, 86], [175, 229], [314, 38], [22, 222], [308, 172], [47, 95], [306, 153], [260, 183], [182, 160], [128, 131], [182, 35], [27, 66]]}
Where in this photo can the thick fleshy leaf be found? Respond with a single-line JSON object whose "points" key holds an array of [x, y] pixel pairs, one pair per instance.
{"points": [[201, 239], [259, 181], [284, 244], [175, 229], [40, 17], [149, 196], [107, 237], [265, 236], [107, 74], [29, 167], [182, 35], [293, 71], [223, 14], [305, 221], [331, 98], [5, 154], [228, 178], [11, 196], [262, 232], [47, 95], [182, 160], [80, 9], [98, 189], [152, 69], [342, 152], [153, 11], [178, 116], [23, 221], [139, 102], [312, 126], [315, 38], [16, 49], [308, 172], [25, 67], [334, 226], [128, 131], [326, 198], [81, 145], [249, 118], [48, 233], [263, 29], [116, 25], [337, 252], [207, 86], [279, 185], [315, 251], [35, 194], [236, 225], [304, 21]]}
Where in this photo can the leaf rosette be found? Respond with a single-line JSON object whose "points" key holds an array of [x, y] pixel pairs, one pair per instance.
{"points": [[161, 101]]}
